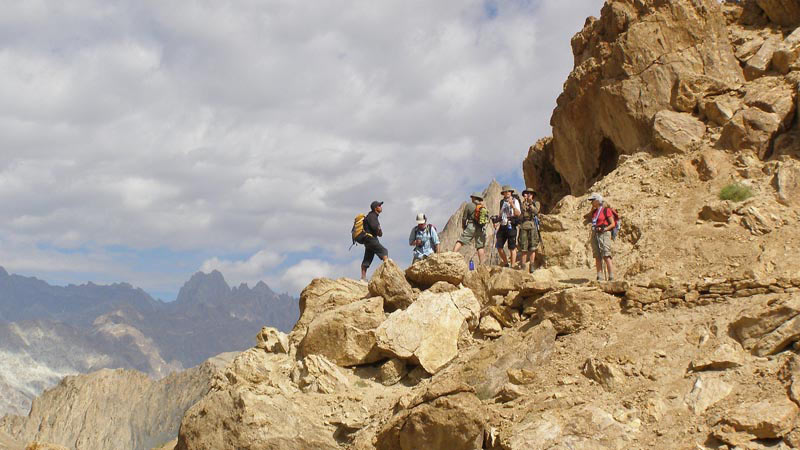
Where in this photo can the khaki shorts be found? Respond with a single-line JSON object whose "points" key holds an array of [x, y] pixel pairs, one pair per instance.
{"points": [[528, 240], [471, 233], [601, 244]]}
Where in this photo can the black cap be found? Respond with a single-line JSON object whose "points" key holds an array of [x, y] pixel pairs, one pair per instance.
{"points": [[374, 205]]}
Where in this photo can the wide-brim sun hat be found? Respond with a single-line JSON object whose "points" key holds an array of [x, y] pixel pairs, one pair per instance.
{"points": [[507, 188], [595, 196], [527, 189], [421, 219], [477, 195]]}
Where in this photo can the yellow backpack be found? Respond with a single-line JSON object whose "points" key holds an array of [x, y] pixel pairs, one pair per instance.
{"points": [[357, 233]]}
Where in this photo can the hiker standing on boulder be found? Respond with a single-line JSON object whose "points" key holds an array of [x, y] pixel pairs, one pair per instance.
{"points": [[529, 228], [602, 220], [473, 221], [506, 226], [372, 246], [423, 238]]}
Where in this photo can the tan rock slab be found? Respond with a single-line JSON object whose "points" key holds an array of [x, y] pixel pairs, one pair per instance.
{"points": [[724, 356], [605, 374], [779, 339], [677, 132], [507, 280], [345, 335], [574, 309], [390, 282], [787, 52], [272, 340], [758, 64], [706, 392], [447, 266], [763, 319], [427, 331], [766, 419], [321, 295], [719, 211], [787, 183]]}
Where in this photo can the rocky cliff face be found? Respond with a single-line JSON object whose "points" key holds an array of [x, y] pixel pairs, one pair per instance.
{"points": [[113, 409]]}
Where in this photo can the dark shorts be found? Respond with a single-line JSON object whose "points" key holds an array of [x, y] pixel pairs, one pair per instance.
{"points": [[373, 247], [505, 234]]}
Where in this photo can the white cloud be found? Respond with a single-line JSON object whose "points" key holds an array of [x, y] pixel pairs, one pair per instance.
{"points": [[296, 277], [219, 128], [250, 270]]}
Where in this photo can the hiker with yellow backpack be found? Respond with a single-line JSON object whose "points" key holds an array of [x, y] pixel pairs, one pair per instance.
{"points": [[474, 220], [366, 231]]}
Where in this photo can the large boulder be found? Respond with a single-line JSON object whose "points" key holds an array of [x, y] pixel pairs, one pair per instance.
{"points": [[427, 331], [787, 183], [390, 282], [677, 132], [448, 266], [771, 418], [345, 335], [324, 294], [505, 280], [782, 12], [574, 309], [488, 370], [628, 64], [767, 327], [787, 52], [448, 417]]}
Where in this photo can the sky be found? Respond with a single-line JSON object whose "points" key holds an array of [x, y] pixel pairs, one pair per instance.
{"points": [[143, 141]]}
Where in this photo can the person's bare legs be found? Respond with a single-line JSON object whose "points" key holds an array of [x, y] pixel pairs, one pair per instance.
{"points": [[532, 258], [513, 256], [503, 258], [481, 256], [523, 256], [363, 273], [457, 247], [609, 267], [598, 262]]}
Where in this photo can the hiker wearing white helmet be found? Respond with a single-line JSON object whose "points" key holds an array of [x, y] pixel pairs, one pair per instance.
{"points": [[473, 221], [603, 222], [423, 238]]}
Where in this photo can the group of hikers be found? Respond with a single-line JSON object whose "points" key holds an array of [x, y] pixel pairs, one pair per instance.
{"points": [[516, 227]]}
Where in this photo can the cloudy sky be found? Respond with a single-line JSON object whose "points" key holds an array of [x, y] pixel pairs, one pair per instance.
{"points": [[145, 140]]}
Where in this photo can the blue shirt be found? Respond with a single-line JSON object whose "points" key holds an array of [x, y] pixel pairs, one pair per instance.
{"points": [[429, 241]]}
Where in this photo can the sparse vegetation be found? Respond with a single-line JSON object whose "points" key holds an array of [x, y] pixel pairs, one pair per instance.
{"points": [[736, 192]]}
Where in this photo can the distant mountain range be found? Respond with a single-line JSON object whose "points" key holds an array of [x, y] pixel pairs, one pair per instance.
{"points": [[48, 332]]}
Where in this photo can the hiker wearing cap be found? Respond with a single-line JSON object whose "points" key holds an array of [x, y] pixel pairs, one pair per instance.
{"points": [[603, 221], [423, 238], [529, 228], [473, 221], [372, 246], [506, 226]]}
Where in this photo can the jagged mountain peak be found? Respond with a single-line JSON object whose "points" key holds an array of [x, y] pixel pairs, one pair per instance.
{"points": [[207, 288]]}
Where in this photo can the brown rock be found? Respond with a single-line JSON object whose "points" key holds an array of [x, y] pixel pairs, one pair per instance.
{"points": [[316, 373], [766, 419], [787, 52], [758, 64], [452, 422], [507, 280], [779, 339], [392, 371], [321, 295], [711, 164], [389, 282], [753, 220], [689, 90], [676, 132], [720, 109], [607, 375], [725, 356], [782, 12], [443, 286], [642, 295], [489, 326], [762, 319], [787, 183], [706, 391], [272, 340], [751, 129], [448, 266], [575, 309], [44, 446], [478, 282], [719, 211], [345, 335]]}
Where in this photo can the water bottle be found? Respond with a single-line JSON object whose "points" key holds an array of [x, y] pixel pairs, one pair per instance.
{"points": [[471, 265]]}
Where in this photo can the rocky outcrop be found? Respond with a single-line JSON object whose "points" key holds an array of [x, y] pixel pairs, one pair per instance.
{"points": [[629, 64], [452, 230]]}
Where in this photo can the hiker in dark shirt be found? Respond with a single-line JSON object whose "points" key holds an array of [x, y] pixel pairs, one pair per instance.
{"points": [[372, 246]]}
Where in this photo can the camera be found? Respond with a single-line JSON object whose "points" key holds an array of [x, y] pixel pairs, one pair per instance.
{"points": [[495, 219]]}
